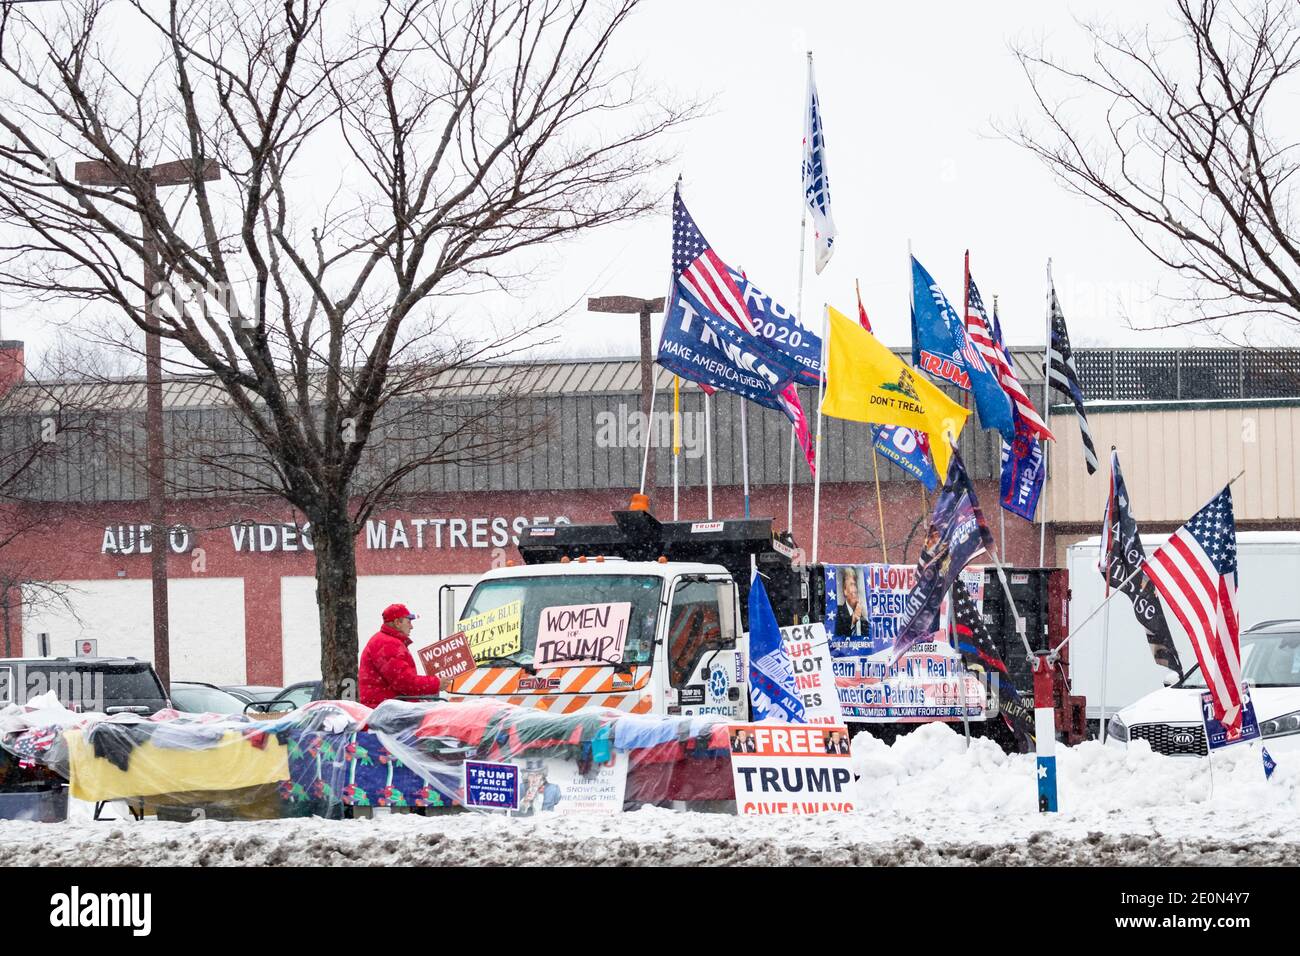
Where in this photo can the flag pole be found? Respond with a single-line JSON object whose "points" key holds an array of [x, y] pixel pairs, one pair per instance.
{"points": [[880, 508], [744, 451], [817, 453], [961, 678], [645, 458], [708, 453], [925, 499], [1047, 418], [677, 443], [798, 314], [1105, 647], [1105, 620], [1002, 512]]}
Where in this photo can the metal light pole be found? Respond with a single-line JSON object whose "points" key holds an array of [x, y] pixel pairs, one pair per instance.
{"points": [[645, 308], [176, 173]]}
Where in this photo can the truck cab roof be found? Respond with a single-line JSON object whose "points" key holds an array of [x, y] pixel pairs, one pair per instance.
{"points": [[659, 569]]}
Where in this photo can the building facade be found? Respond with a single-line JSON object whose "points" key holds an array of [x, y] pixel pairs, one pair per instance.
{"points": [[242, 591]]}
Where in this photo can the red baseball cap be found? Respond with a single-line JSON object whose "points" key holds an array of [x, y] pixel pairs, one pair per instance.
{"points": [[395, 611]]}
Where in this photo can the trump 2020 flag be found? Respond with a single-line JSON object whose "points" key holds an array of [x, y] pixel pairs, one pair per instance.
{"points": [[771, 676], [709, 336], [1023, 471], [957, 533], [908, 449], [816, 181], [1269, 763]]}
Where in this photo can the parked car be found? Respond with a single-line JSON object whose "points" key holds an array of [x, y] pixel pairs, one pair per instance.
{"points": [[193, 697], [1170, 719], [112, 685], [252, 692], [291, 698]]}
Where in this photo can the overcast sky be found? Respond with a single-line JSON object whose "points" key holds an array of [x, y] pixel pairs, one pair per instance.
{"points": [[910, 93]]}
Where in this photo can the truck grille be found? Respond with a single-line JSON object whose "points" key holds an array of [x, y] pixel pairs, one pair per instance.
{"points": [[1171, 740]]}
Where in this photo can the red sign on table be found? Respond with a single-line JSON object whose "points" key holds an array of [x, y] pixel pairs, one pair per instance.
{"points": [[448, 658]]}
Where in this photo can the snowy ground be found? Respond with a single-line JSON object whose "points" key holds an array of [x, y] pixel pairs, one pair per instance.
{"points": [[925, 800]]}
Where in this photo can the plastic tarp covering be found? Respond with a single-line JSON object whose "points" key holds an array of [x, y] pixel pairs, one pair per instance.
{"points": [[334, 754], [171, 758], [595, 759]]}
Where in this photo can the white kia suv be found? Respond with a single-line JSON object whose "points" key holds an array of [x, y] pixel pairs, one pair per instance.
{"points": [[1170, 719]]}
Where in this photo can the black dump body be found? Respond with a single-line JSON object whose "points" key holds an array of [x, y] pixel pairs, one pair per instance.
{"points": [[639, 536]]}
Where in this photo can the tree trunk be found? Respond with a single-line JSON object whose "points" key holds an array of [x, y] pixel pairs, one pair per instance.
{"points": [[336, 600]]}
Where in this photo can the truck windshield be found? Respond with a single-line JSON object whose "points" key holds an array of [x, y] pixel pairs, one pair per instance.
{"points": [[538, 594]]}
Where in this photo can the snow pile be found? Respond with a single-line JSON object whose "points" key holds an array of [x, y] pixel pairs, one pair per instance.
{"points": [[925, 800], [932, 767]]}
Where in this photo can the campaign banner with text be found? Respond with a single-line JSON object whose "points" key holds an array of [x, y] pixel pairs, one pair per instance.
{"points": [[448, 658], [791, 769], [555, 785], [582, 635], [1218, 736], [865, 605], [495, 633], [814, 681]]}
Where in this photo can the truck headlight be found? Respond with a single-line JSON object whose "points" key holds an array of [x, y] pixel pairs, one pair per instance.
{"points": [[1281, 726], [1117, 729]]}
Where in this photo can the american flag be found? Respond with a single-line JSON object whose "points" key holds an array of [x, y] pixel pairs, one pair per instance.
{"points": [[973, 640], [1064, 377], [977, 648], [986, 337], [702, 271], [1195, 572]]}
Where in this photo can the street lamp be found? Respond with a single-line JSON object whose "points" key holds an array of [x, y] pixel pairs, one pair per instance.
{"points": [[176, 173], [629, 305]]}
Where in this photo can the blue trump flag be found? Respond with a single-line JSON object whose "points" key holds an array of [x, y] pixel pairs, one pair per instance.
{"points": [[907, 449], [707, 335], [1023, 471], [957, 533], [1024, 466], [771, 677], [699, 346], [942, 349], [933, 317], [780, 329], [1269, 763]]}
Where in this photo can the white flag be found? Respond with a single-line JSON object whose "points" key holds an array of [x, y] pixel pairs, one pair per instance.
{"points": [[816, 181]]}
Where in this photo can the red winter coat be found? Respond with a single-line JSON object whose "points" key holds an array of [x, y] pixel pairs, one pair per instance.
{"points": [[387, 669]]}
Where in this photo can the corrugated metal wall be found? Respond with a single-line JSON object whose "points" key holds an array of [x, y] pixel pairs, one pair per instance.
{"points": [[1174, 460], [580, 441]]}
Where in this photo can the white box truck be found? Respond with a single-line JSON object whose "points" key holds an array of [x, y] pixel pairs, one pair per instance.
{"points": [[1268, 575]]}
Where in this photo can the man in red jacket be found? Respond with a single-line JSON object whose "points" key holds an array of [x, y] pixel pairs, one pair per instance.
{"points": [[387, 669]]}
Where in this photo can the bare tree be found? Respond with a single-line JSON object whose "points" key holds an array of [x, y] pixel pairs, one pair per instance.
{"points": [[1189, 141], [464, 135]]}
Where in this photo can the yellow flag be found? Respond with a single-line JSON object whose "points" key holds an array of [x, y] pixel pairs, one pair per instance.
{"points": [[865, 382]]}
